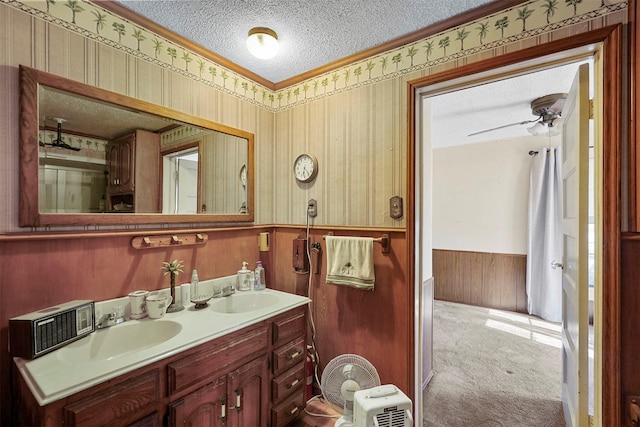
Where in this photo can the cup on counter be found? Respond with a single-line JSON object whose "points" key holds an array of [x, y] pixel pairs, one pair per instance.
{"points": [[138, 304], [157, 304]]}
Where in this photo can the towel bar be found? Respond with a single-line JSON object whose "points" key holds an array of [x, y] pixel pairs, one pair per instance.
{"points": [[385, 240]]}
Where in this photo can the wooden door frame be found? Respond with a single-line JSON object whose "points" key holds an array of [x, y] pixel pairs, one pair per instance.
{"points": [[611, 39]]}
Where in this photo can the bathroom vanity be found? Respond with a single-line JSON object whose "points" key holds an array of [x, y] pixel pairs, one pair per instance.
{"points": [[233, 363]]}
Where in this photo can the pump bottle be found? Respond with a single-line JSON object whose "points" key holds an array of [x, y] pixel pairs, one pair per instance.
{"points": [[244, 276], [260, 277]]}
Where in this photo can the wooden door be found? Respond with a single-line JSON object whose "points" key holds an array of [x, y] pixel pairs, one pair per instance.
{"points": [[248, 392], [575, 291], [205, 407]]}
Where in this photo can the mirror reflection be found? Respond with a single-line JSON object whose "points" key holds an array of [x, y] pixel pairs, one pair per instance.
{"points": [[130, 162], [105, 154]]}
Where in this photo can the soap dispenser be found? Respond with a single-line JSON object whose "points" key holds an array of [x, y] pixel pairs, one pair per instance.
{"points": [[244, 275]]}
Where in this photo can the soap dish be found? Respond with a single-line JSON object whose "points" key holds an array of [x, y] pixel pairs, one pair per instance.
{"points": [[200, 300]]}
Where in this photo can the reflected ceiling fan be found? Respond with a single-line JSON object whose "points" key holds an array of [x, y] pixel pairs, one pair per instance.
{"points": [[58, 142], [548, 110]]}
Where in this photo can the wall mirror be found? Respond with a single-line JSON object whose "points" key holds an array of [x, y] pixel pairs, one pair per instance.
{"points": [[94, 157]]}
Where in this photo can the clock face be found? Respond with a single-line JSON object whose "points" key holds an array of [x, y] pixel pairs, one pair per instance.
{"points": [[305, 167], [243, 175]]}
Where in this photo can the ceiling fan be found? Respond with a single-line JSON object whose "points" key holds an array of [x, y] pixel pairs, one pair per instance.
{"points": [[548, 110], [58, 142]]}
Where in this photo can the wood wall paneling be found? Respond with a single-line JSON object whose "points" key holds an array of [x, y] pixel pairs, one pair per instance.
{"points": [[630, 301], [482, 279], [348, 320]]}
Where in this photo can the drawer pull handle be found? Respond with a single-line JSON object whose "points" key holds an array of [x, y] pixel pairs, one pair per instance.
{"points": [[293, 383], [294, 355], [238, 399], [292, 411], [223, 409]]}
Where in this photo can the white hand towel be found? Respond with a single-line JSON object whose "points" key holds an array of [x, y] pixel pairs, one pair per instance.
{"points": [[350, 261]]}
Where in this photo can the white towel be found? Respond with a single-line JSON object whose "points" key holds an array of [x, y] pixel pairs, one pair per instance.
{"points": [[350, 261]]}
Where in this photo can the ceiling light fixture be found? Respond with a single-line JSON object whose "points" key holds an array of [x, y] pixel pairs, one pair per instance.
{"points": [[262, 42]]}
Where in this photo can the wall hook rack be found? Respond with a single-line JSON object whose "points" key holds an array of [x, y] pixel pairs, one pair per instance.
{"points": [[167, 240]]}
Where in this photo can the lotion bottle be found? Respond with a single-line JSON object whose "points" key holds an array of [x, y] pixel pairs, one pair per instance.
{"points": [[260, 283], [244, 274]]}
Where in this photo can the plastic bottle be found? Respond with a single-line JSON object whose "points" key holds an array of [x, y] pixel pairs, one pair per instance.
{"points": [[244, 274], [261, 282], [193, 289]]}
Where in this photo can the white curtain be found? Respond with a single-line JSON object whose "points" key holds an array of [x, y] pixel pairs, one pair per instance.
{"points": [[544, 283]]}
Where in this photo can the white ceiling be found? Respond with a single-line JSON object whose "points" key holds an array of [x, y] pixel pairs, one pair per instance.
{"points": [[457, 114], [314, 33]]}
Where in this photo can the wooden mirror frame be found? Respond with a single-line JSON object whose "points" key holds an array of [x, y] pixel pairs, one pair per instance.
{"points": [[29, 212]]}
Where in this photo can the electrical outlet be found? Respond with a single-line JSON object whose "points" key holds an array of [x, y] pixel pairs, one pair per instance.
{"points": [[312, 208]]}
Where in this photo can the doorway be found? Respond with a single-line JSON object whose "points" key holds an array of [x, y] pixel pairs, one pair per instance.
{"points": [[481, 185], [607, 394], [180, 181]]}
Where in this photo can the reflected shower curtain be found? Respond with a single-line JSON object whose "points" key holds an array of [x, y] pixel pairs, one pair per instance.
{"points": [[544, 243]]}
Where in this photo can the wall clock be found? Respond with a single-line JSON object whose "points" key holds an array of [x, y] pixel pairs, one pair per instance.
{"points": [[243, 175], [305, 168]]}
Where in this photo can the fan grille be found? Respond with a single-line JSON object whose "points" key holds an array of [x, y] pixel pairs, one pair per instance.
{"points": [[362, 372], [395, 418]]}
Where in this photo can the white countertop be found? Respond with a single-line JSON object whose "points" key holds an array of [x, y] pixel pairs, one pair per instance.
{"points": [[58, 374]]}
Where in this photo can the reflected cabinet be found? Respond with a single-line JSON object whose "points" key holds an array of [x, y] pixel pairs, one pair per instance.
{"points": [[133, 173]]}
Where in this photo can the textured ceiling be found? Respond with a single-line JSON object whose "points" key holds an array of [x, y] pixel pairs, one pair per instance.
{"points": [[312, 33]]}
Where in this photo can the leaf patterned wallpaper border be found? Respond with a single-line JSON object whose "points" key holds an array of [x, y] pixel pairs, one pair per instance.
{"points": [[507, 26]]}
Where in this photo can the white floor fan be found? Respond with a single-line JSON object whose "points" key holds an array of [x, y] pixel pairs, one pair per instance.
{"points": [[342, 377]]}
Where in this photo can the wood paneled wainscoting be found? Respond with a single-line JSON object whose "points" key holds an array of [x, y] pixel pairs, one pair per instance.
{"points": [[481, 278]]}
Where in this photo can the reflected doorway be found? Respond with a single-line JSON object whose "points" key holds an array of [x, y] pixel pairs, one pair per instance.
{"points": [[180, 182]]}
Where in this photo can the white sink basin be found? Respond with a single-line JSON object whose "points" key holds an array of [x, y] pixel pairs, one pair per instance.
{"points": [[244, 303], [109, 343]]}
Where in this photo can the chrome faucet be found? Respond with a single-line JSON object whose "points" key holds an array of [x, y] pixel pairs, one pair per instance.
{"points": [[110, 319], [228, 290]]}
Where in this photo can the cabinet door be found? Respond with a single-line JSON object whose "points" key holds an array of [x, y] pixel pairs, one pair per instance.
{"points": [[113, 164], [127, 159], [120, 158], [205, 407], [248, 391]]}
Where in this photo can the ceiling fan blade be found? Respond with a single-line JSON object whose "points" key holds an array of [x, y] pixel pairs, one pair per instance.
{"points": [[504, 126], [60, 144]]}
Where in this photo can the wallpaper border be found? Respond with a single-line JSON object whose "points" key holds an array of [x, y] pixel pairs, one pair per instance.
{"points": [[511, 25]]}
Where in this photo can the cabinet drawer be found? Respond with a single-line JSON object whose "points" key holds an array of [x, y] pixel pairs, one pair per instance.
{"points": [[114, 405], [219, 356], [286, 383], [287, 411], [289, 327], [288, 355]]}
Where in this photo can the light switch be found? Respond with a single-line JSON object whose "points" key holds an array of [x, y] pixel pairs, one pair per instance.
{"points": [[395, 207]]}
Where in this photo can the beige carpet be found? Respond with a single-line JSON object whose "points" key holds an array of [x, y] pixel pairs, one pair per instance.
{"points": [[493, 369]]}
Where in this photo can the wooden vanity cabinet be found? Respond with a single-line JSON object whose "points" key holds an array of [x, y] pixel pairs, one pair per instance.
{"points": [[249, 378], [288, 367], [133, 168], [238, 397]]}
